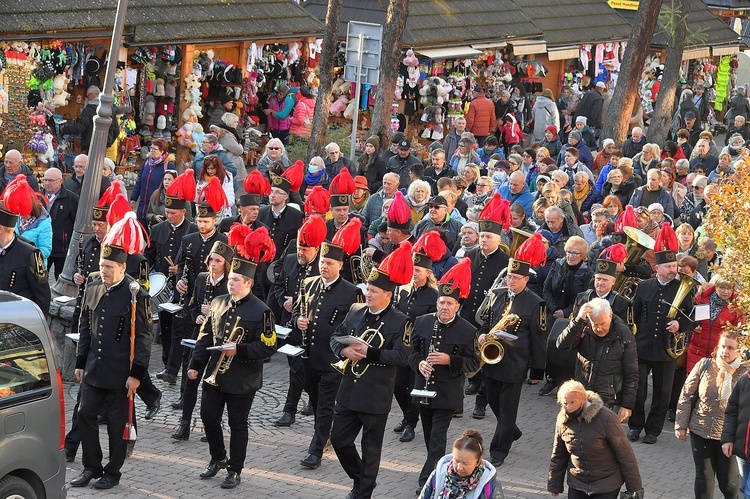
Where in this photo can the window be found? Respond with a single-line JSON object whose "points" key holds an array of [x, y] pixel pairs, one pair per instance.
{"points": [[23, 365]]}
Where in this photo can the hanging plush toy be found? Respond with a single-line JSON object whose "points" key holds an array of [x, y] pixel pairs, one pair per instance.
{"points": [[412, 65]]}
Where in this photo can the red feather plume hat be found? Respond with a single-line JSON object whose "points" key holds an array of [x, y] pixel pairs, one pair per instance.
{"points": [[99, 212], [251, 247], [181, 191], [626, 219], [456, 283], [256, 186], [117, 210], [396, 269], [313, 232], [429, 248], [346, 241], [212, 199], [18, 200], [318, 201], [399, 213], [495, 216], [291, 179], [126, 237], [666, 246], [610, 257], [341, 187], [532, 253]]}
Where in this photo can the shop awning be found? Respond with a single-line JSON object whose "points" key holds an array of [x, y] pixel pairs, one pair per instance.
{"points": [[161, 21], [726, 50], [562, 53], [449, 52], [529, 47]]}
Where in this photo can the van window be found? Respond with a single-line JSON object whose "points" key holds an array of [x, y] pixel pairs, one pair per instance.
{"points": [[24, 372]]}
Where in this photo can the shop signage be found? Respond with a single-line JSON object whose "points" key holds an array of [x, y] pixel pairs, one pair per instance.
{"points": [[623, 4]]}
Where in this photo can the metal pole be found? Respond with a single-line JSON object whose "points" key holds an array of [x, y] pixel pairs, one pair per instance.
{"points": [[357, 96], [92, 180]]}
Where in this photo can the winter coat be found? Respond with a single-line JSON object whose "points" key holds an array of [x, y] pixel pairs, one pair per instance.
{"points": [[149, 179], [577, 167], [702, 343], [592, 198], [544, 113], [231, 142], [641, 168], [25, 170], [709, 163], [450, 143], [265, 162], [480, 120], [39, 233], [278, 120], [556, 292], [685, 107], [489, 486], [63, 214], [664, 199], [591, 107], [738, 106], [594, 451], [374, 173], [624, 193], [301, 121], [584, 155], [374, 207], [511, 131], [678, 193], [737, 419], [554, 146], [225, 160], [631, 148], [693, 210], [524, 198], [608, 365]]}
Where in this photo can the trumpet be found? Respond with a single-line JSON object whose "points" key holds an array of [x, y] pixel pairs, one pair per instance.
{"points": [[223, 364], [492, 351], [678, 341], [341, 365]]}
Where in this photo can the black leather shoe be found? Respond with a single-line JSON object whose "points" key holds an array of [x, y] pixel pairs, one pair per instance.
{"points": [[169, 379], [213, 468], [649, 439], [478, 413], [307, 410], [351, 495], [84, 478], [517, 434], [496, 462], [70, 456], [151, 411], [106, 482], [231, 481], [634, 435], [286, 419], [671, 416], [160, 374], [204, 439], [311, 461], [399, 428], [183, 431], [407, 435], [179, 404], [547, 389], [472, 389]]}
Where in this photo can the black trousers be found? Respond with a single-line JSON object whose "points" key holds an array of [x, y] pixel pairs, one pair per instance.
{"points": [[58, 262], [238, 408], [181, 329], [405, 379], [503, 399], [661, 374], [680, 375], [322, 387], [346, 426], [577, 494], [297, 377], [435, 423], [165, 335], [92, 400], [711, 462]]}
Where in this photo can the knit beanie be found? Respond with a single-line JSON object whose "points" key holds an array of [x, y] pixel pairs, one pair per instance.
{"points": [[374, 141]]}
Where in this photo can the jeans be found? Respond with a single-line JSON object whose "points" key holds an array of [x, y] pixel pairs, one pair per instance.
{"points": [[711, 462], [744, 467]]}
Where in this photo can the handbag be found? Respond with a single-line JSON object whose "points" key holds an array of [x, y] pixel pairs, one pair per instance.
{"points": [[632, 495]]}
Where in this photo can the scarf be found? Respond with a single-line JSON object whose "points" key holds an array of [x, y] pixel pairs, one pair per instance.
{"points": [[151, 162], [724, 379], [580, 196], [456, 486], [312, 179], [716, 305], [24, 224]]}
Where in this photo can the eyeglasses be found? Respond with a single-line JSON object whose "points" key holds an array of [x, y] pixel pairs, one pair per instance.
{"points": [[273, 148], [573, 253], [50, 179], [334, 152]]}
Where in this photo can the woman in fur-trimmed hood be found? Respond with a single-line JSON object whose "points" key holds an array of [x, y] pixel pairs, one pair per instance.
{"points": [[591, 446]]}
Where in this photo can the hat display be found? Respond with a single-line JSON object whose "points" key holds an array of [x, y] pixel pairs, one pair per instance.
{"points": [[495, 216], [666, 246], [456, 283], [126, 237], [17, 201], [313, 232], [404, 145], [531, 253], [291, 179], [429, 248], [396, 269], [181, 191], [342, 186], [610, 258], [318, 201], [223, 249], [256, 186], [399, 213], [251, 247], [626, 219], [346, 241]]}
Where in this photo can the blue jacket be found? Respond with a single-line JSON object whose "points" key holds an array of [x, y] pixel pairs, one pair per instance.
{"points": [[603, 176], [525, 198], [148, 181], [584, 155], [222, 154], [484, 156], [40, 234]]}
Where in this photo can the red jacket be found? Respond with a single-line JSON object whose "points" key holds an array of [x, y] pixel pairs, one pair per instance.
{"points": [[480, 120], [302, 117], [702, 344]]}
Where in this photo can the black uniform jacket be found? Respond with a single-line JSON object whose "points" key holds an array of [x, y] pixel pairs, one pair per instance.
{"points": [[484, 270], [325, 309], [283, 228], [287, 284], [650, 311], [165, 242], [346, 270], [245, 374], [531, 346], [205, 292], [105, 328], [197, 255], [621, 306], [416, 302], [372, 392], [458, 340], [22, 271]]}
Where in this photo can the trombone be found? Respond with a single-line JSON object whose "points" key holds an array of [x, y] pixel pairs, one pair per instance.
{"points": [[373, 334]]}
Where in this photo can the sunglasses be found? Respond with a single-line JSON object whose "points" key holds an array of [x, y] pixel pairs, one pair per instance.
{"points": [[273, 148]]}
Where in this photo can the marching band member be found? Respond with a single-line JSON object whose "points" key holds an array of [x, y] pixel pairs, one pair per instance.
{"points": [[320, 307], [364, 397], [341, 188], [294, 270], [245, 326], [282, 221], [398, 218], [256, 187], [504, 380], [444, 351], [605, 276]]}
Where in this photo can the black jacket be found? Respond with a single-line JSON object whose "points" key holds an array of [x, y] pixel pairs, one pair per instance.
{"points": [[416, 302], [226, 223], [624, 193], [165, 242], [374, 173], [402, 167], [22, 271], [25, 170], [737, 419], [282, 229], [63, 213], [74, 185], [199, 250], [483, 274], [557, 293], [372, 391], [204, 292], [346, 271], [287, 284], [458, 340], [608, 365], [621, 306]]}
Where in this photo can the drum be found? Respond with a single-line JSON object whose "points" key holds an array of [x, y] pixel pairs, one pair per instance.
{"points": [[159, 291]]}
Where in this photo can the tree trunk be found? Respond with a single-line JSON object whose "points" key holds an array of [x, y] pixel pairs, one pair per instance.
{"points": [[317, 142], [390, 58], [661, 119], [618, 116]]}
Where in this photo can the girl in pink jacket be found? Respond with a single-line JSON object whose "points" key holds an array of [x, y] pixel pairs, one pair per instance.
{"points": [[301, 120]]}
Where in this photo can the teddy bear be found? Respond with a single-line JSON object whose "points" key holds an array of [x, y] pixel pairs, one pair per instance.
{"points": [[339, 87], [339, 106], [60, 97], [198, 135], [38, 145], [349, 112], [193, 94], [49, 155], [412, 65]]}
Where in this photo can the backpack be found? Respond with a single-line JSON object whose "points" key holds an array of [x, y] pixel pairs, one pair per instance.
{"points": [[114, 131], [677, 122]]}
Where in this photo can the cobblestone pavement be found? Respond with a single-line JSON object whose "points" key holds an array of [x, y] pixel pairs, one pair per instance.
{"points": [[164, 468]]}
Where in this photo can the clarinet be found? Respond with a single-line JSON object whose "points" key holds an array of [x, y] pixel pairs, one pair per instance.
{"points": [[80, 263], [304, 313], [185, 277], [426, 400]]}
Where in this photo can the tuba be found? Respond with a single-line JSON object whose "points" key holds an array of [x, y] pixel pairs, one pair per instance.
{"points": [[369, 336], [358, 267], [637, 245], [492, 351], [223, 365], [519, 237], [678, 341]]}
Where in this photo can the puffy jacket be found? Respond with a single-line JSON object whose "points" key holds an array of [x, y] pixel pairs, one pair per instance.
{"points": [[489, 486], [594, 451], [584, 155], [148, 181], [544, 113], [279, 120], [607, 366], [301, 121], [480, 120], [556, 292], [39, 233], [737, 419], [702, 343]]}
